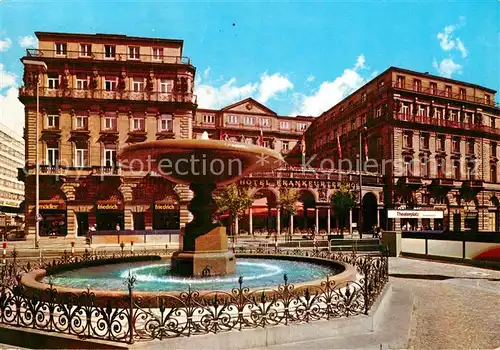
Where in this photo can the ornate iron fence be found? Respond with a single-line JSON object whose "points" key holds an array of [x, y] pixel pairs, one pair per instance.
{"points": [[136, 317]]}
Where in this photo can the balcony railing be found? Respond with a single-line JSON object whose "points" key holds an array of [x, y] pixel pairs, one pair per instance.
{"points": [[445, 123], [428, 90], [106, 171], [111, 95], [102, 56]]}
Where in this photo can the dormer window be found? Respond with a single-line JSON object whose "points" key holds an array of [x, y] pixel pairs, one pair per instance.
{"points": [[61, 49], [157, 53], [85, 50], [109, 51]]}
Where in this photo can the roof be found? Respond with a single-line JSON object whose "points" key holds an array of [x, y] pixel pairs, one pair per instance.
{"points": [[111, 37], [251, 100]]}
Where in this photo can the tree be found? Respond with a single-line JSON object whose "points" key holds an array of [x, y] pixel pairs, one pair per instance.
{"points": [[342, 201], [288, 198], [232, 200]]}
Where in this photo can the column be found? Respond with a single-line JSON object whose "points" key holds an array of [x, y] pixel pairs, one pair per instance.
{"points": [[291, 225], [329, 214], [378, 217], [250, 221], [278, 220], [236, 226], [350, 221], [71, 224], [316, 210], [128, 219]]}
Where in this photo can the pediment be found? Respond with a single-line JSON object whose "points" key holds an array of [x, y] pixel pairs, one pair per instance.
{"points": [[249, 106]]}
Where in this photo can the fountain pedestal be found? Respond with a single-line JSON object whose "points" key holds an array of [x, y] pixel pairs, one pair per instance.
{"points": [[204, 250]]}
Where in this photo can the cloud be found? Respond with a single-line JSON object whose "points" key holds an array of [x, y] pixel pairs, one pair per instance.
{"points": [[269, 86], [448, 42], [332, 92], [27, 41], [272, 85], [12, 110], [310, 78], [462, 48], [5, 44], [206, 73], [7, 79], [447, 67]]}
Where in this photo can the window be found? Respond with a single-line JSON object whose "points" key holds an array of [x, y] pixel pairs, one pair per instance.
{"points": [[301, 126], [417, 85], [248, 120], [353, 125], [109, 122], [265, 122], [53, 155], [209, 119], [81, 122], [285, 145], [471, 170], [137, 124], [407, 139], [164, 86], [110, 155], [424, 141], [166, 123], [493, 122], [60, 49], [109, 51], [81, 83], [404, 108], [447, 90], [284, 125], [493, 173], [440, 143], [85, 50], [440, 164], [434, 88], [421, 111], [380, 84], [487, 99], [81, 153], [455, 145], [53, 81], [408, 171], [363, 97], [134, 52], [265, 143], [52, 121], [470, 146], [438, 112], [157, 53], [232, 119], [400, 81], [456, 169], [493, 149], [138, 85], [110, 84], [462, 94], [425, 170], [426, 199], [378, 112]]}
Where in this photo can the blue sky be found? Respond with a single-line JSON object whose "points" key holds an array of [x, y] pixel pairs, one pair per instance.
{"points": [[294, 57]]}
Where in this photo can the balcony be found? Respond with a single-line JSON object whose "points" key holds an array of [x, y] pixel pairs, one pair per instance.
{"points": [[106, 171], [97, 94], [165, 134], [427, 90], [101, 56], [48, 170], [445, 123], [51, 130]]}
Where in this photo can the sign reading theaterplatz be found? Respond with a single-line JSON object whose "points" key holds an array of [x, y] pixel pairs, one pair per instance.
{"points": [[296, 183], [415, 214]]}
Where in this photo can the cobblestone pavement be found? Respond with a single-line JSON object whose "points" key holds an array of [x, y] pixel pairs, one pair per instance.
{"points": [[456, 306]]}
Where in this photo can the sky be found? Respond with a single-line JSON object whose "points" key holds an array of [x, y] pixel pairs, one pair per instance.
{"points": [[298, 58]]}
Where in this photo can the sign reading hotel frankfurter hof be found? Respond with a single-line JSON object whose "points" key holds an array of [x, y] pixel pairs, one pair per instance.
{"points": [[415, 214], [296, 183]]}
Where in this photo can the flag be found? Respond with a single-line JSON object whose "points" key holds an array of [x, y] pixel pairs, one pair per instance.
{"points": [[261, 139], [366, 149], [339, 148], [303, 145]]}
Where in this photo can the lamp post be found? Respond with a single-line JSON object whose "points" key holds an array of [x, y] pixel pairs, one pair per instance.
{"points": [[41, 67], [361, 163]]}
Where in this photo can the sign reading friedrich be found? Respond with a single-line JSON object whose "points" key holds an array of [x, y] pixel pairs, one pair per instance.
{"points": [[296, 183]]}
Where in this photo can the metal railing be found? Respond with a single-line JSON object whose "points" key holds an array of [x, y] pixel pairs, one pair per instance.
{"points": [[153, 96], [121, 57]]}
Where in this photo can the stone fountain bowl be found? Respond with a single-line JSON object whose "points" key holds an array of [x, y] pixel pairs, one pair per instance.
{"points": [[199, 161]]}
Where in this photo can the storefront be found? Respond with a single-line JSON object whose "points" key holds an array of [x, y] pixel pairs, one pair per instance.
{"points": [[166, 214], [53, 217], [109, 213], [417, 220]]}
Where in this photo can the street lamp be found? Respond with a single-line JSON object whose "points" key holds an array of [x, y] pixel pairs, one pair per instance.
{"points": [[361, 163], [41, 67]]}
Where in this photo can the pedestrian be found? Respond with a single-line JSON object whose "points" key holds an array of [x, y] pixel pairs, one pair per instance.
{"points": [[118, 228]]}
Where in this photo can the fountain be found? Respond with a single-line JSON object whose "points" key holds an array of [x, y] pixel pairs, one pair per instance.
{"points": [[203, 165]]}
